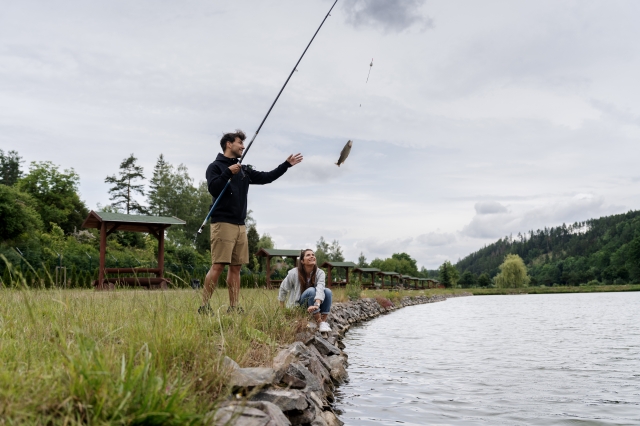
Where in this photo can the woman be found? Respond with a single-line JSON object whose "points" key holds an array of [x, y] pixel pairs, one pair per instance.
{"points": [[304, 286]]}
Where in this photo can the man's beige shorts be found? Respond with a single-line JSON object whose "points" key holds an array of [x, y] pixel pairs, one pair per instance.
{"points": [[229, 244]]}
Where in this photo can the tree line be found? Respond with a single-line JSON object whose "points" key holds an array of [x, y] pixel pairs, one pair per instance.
{"points": [[604, 250]]}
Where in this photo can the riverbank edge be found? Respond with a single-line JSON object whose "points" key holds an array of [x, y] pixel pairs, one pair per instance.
{"points": [[299, 387]]}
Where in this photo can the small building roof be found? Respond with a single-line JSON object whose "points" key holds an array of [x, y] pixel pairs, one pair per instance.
{"points": [[339, 264], [407, 277], [366, 270], [387, 273], [130, 222], [264, 252]]}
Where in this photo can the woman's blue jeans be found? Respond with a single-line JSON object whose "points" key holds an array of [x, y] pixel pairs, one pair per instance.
{"points": [[308, 298]]}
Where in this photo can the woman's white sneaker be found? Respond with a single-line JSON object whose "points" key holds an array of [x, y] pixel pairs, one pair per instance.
{"points": [[324, 328]]}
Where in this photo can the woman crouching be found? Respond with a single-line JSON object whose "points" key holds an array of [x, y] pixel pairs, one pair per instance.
{"points": [[304, 286]]}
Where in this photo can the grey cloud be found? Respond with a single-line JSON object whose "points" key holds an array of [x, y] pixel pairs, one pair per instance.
{"points": [[437, 238], [388, 15], [490, 207], [383, 247]]}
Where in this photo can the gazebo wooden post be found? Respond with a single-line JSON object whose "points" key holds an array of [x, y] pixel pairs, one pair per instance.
{"points": [[268, 272], [360, 274], [373, 280], [103, 254], [346, 274], [329, 276], [161, 252]]}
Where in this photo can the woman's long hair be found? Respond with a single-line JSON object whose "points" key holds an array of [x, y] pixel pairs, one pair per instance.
{"points": [[302, 273]]}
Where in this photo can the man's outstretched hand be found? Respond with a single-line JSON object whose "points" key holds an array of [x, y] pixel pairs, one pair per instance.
{"points": [[294, 159]]}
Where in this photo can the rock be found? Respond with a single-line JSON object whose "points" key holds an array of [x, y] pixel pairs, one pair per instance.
{"points": [[285, 399], [319, 356], [293, 382], [298, 370], [238, 415], [297, 351], [250, 413], [324, 347], [247, 378], [229, 364], [331, 419], [305, 337], [338, 371]]}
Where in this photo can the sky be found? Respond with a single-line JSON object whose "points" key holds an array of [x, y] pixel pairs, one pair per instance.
{"points": [[479, 119]]}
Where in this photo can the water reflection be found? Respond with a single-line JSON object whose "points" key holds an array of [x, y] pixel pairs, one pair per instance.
{"points": [[516, 360]]}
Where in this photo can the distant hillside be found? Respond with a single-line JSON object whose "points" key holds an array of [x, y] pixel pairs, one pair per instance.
{"points": [[606, 249]]}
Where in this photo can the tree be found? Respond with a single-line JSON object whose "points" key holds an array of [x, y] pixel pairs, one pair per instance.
{"points": [[253, 238], [335, 252], [125, 186], [17, 213], [160, 188], [513, 273], [323, 251], [484, 280], [10, 167], [56, 195], [362, 261], [448, 275], [468, 279]]}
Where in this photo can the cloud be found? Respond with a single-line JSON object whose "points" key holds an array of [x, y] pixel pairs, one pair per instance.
{"points": [[387, 15], [383, 248], [493, 220], [490, 207], [436, 238]]}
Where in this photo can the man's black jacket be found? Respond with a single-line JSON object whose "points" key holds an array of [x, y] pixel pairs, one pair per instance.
{"points": [[232, 207]]}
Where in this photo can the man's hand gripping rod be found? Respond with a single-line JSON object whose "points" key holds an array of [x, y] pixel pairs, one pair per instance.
{"points": [[260, 127]]}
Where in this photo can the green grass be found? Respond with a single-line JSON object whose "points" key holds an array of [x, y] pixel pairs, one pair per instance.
{"points": [[554, 290], [128, 356]]}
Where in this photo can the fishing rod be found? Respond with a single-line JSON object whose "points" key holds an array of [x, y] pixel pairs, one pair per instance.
{"points": [[261, 124]]}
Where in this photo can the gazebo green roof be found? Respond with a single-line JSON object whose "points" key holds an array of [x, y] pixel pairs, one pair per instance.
{"points": [[278, 252], [366, 270], [339, 264], [130, 222], [388, 273]]}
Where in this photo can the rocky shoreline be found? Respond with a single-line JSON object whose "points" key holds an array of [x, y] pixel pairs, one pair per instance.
{"points": [[298, 389]]}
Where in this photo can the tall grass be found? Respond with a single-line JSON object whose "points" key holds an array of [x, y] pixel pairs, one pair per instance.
{"points": [[128, 356]]}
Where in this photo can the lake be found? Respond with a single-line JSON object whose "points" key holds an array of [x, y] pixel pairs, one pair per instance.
{"points": [[557, 359]]}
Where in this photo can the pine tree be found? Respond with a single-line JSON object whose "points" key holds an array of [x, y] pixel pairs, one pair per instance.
{"points": [[160, 188], [126, 185], [10, 167]]}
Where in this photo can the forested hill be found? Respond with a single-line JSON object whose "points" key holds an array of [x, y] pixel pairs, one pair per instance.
{"points": [[605, 249]]}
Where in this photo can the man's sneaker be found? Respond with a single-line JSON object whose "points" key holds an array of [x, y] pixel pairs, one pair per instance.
{"points": [[235, 309], [324, 328], [206, 310]]}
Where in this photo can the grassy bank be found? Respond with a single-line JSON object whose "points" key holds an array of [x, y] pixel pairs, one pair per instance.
{"points": [[129, 356]]}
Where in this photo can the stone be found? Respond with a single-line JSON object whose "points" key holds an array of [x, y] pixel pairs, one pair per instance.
{"points": [[297, 351], [298, 370], [324, 347], [338, 371], [245, 378], [250, 413], [285, 399], [305, 337], [238, 415], [293, 382], [229, 364], [319, 356], [331, 419]]}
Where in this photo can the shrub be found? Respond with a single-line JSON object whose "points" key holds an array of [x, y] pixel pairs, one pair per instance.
{"points": [[593, 283], [353, 290]]}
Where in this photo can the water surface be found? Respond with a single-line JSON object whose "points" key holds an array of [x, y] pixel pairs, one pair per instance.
{"points": [[561, 359]]}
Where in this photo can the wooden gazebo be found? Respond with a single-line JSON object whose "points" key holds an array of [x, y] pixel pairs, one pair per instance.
{"points": [[371, 272], [423, 281], [331, 265], [270, 253], [108, 223], [391, 275]]}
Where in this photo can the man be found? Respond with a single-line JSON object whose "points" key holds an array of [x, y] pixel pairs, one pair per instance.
{"points": [[229, 245]]}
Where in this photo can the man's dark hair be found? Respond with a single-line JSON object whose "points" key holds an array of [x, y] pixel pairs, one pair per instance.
{"points": [[231, 137]]}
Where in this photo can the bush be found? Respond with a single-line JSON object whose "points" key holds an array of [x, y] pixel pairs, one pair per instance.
{"points": [[353, 290], [593, 283]]}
